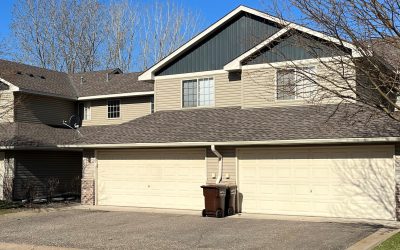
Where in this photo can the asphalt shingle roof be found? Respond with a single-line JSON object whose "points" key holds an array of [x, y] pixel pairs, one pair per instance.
{"points": [[236, 124], [231, 124], [44, 81], [95, 83]]}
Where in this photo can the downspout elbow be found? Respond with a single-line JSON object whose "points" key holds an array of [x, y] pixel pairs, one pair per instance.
{"points": [[220, 164]]}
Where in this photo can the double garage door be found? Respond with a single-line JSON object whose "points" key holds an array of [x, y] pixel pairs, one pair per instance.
{"points": [[165, 178], [352, 182]]}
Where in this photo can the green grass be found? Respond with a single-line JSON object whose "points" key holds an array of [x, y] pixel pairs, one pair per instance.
{"points": [[8, 207], [393, 243]]}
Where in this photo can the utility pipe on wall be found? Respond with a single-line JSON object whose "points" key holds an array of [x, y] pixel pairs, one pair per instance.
{"points": [[220, 164]]}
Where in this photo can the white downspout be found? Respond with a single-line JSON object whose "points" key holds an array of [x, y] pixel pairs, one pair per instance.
{"points": [[220, 164]]}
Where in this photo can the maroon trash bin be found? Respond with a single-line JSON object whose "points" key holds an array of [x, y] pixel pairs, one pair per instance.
{"points": [[214, 200]]}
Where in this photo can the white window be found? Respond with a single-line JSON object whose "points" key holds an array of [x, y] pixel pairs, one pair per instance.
{"points": [[294, 84], [198, 92], [85, 111], [113, 107]]}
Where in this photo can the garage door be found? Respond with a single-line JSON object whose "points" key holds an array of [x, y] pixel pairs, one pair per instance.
{"points": [[352, 182], [168, 178]]}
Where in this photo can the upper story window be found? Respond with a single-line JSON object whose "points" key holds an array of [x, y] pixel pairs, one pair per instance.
{"points": [[85, 111], [198, 92], [152, 104], [113, 109], [294, 84]]}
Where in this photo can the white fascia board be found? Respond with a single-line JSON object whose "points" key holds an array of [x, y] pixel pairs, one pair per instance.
{"points": [[144, 93], [12, 86], [193, 74], [236, 63], [149, 74], [242, 143]]}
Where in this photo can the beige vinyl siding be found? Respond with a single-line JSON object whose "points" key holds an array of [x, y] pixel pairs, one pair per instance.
{"points": [[42, 109], [6, 106], [259, 86], [229, 165], [130, 109], [2, 173], [168, 92]]}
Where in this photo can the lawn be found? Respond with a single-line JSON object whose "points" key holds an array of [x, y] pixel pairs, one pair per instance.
{"points": [[393, 243], [8, 207]]}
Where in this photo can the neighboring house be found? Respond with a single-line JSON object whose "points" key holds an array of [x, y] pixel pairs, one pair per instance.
{"points": [[220, 93], [37, 103]]}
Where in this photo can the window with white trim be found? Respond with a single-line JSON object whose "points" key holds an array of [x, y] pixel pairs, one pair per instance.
{"points": [[294, 84], [198, 92], [85, 111], [113, 109]]}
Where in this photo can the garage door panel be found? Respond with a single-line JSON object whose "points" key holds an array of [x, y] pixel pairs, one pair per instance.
{"points": [[168, 178], [331, 181]]}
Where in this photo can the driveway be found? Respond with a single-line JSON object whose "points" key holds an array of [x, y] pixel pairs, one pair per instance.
{"points": [[134, 230]]}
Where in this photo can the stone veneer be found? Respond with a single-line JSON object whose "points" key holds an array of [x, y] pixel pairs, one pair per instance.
{"points": [[89, 165], [9, 167]]}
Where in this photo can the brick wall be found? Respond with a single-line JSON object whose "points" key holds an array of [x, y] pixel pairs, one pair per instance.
{"points": [[88, 178]]}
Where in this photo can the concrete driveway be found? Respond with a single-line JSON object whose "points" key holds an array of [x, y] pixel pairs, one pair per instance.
{"points": [[134, 230]]}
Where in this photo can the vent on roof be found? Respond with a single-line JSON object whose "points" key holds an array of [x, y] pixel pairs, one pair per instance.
{"points": [[42, 77], [31, 75], [81, 79], [19, 73]]}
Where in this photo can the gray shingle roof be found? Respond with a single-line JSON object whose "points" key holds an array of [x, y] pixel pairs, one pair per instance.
{"points": [[36, 79], [214, 125], [236, 124], [95, 83], [44, 81], [35, 135]]}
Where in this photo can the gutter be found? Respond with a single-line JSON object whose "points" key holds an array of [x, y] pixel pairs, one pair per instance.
{"points": [[241, 143], [143, 93], [220, 164], [380, 140]]}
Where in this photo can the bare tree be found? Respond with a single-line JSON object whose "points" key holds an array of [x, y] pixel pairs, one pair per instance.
{"points": [[59, 35], [367, 75], [166, 26], [121, 40], [84, 35]]}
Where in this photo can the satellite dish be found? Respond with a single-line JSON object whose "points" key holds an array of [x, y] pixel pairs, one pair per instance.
{"points": [[74, 122]]}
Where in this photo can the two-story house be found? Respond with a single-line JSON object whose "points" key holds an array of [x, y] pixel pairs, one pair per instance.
{"points": [[218, 109], [37, 106]]}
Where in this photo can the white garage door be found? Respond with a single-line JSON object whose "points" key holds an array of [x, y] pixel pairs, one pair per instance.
{"points": [[168, 178], [352, 182]]}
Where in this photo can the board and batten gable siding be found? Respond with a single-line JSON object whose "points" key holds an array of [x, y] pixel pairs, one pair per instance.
{"points": [[295, 47], [42, 109], [222, 46], [130, 109], [168, 92], [6, 106]]}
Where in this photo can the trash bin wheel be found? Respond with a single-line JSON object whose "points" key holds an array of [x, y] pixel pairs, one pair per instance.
{"points": [[204, 213], [219, 213], [230, 211]]}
